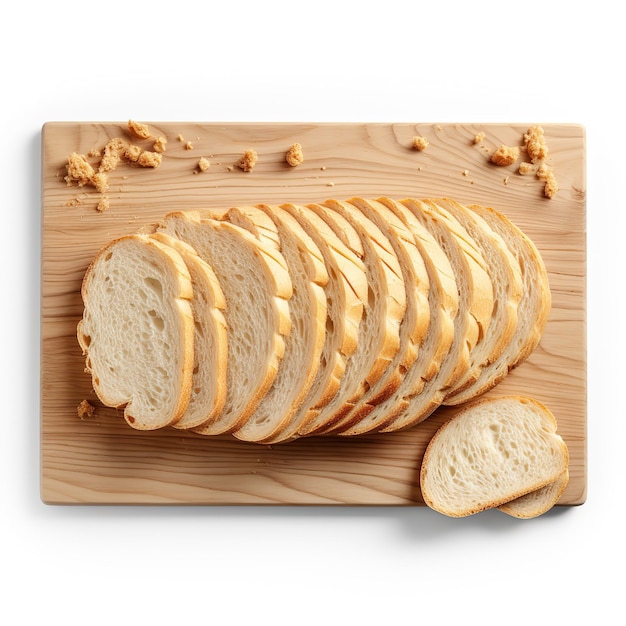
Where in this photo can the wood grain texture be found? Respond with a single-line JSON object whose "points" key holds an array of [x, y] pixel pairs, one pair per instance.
{"points": [[102, 460]]}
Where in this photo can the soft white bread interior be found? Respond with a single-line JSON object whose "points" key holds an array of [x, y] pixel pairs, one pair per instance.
{"points": [[491, 452], [137, 330], [537, 502], [210, 345], [257, 288]]}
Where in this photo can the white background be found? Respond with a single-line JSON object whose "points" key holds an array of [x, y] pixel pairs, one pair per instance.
{"points": [[289, 61]]}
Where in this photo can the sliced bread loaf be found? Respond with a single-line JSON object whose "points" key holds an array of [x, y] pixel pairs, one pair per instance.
{"points": [[307, 307], [210, 353], [414, 324], [533, 308], [473, 316], [414, 397], [137, 330], [256, 284], [346, 297], [490, 453], [379, 333], [506, 280]]}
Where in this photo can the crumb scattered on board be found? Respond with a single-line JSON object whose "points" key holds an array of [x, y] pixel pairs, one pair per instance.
{"points": [[505, 155], [85, 410], [248, 161], [204, 164], [294, 155], [479, 137], [188, 145], [139, 130], [537, 150], [160, 144], [82, 173], [419, 143]]}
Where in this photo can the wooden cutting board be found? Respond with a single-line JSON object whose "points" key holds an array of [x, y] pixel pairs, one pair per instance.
{"points": [[102, 460]]}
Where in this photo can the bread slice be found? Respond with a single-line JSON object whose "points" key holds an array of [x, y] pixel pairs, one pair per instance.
{"points": [[379, 333], [505, 274], [137, 330], [533, 309], [346, 297], [414, 398], [208, 389], [307, 307], [256, 284], [473, 316], [537, 502], [491, 452], [414, 324]]}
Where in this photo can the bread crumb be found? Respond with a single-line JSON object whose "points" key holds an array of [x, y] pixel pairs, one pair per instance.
{"points": [[479, 138], [189, 146], [180, 138], [323, 168], [465, 172], [112, 154], [419, 143], [103, 204], [526, 168], [159, 145], [85, 410], [100, 180], [294, 155], [537, 149], [505, 155], [94, 153], [149, 159], [545, 173], [79, 170], [139, 130], [535, 144], [247, 161], [330, 184], [204, 164], [133, 152], [505, 180]]}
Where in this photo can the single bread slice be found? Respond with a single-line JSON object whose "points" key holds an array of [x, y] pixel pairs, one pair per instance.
{"points": [[414, 398], [346, 295], [491, 452], [137, 330], [379, 334], [413, 326], [533, 308], [537, 502], [307, 307], [257, 287], [505, 273], [208, 390]]}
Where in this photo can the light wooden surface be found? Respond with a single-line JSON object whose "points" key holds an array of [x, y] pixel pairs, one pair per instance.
{"points": [[102, 460]]}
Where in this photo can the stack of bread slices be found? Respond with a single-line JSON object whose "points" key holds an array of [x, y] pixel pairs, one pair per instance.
{"points": [[272, 322]]}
